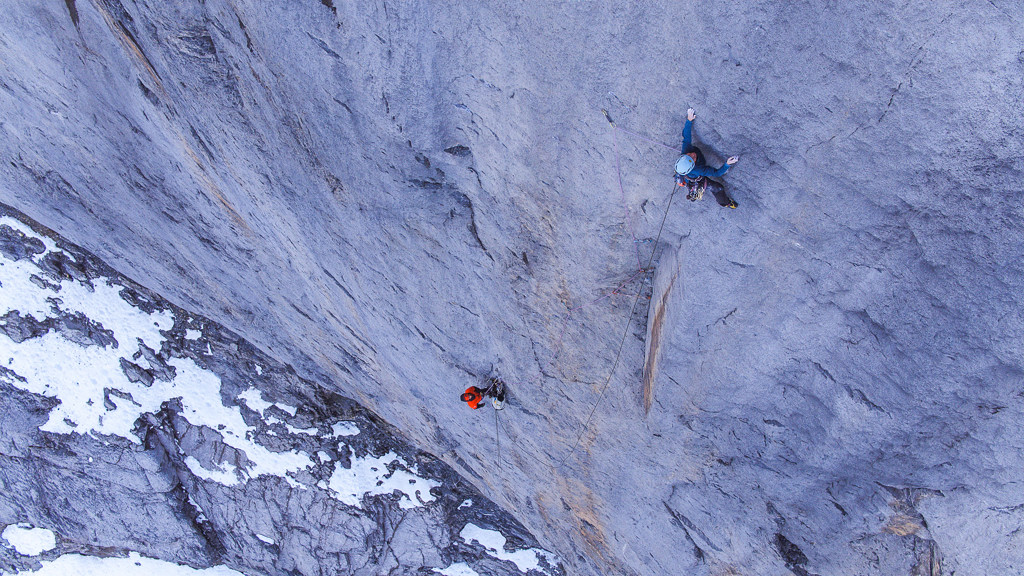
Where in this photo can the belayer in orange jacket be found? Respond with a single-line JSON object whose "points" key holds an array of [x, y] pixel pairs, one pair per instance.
{"points": [[473, 396], [495, 389]]}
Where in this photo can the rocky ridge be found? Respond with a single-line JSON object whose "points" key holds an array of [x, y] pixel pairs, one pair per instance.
{"points": [[237, 462]]}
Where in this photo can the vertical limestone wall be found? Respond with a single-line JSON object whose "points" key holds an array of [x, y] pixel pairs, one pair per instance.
{"points": [[395, 197]]}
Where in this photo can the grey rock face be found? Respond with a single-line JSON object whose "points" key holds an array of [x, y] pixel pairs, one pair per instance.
{"points": [[392, 198]]}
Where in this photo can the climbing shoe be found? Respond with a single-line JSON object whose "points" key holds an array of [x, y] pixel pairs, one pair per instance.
{"points": [[731, 204]]}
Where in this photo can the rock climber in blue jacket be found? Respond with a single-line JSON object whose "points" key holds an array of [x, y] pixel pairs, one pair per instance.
{"points": [[693, 172]]}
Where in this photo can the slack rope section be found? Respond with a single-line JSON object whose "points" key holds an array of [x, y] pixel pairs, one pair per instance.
{"points": [[622, 341], [642, 269], [642, 272]]}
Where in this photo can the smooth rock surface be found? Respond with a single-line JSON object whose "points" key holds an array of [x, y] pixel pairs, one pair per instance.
{"points": [[393, 197]]}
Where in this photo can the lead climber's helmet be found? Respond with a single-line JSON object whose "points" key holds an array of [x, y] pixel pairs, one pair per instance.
{"points": [[684, 164]]}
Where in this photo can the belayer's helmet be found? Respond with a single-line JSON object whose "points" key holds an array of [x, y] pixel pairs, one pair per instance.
{"points": [[684, 164], [467, 396]]}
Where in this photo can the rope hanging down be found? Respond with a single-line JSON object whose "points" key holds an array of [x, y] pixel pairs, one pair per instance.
{"points": [[613, 292], [622, 341], [629, 221], [632, 310], [640, 271], [497, 439]]}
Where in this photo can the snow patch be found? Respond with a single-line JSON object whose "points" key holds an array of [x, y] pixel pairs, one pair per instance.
{"points": [[133, 565], [102, 302], [494, 542], [29, 541], [94, 393], [96, 396], [201, 406], [457, 569], [228, 475], [344, 428], [200, 514], [371, 476], [265, 539], [191, 334], [254, 399], [466, 504], [306, 431], [81, 378], [50, 245], [291, 410]]}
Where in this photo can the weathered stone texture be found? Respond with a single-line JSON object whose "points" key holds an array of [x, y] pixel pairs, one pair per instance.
{"points": [[393, 197]]}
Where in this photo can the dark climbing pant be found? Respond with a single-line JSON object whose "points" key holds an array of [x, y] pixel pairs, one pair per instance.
{"points": [[703, 185], [718, 189]]}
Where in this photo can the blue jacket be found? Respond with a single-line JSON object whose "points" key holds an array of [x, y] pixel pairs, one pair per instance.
{"points": [[700, 167]]}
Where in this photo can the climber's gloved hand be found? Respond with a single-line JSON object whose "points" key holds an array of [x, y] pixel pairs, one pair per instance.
{"points": [[732, 160], [691, 115]]}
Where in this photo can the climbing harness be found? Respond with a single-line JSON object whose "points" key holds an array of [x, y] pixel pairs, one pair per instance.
{"points": [[496, 390], [695, 187]]}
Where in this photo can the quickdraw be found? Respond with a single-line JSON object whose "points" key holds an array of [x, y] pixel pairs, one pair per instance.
{"points": [[694, 188]]}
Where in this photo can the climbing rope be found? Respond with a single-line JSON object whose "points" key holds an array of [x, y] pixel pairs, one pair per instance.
{"points": [[641, 270], [613, 292], [622, 192], [629, 222], [625, 333], [497, 438], [642, 137]]}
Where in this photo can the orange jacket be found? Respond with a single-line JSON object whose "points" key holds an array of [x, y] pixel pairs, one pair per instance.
{"points": [[473, 396]]}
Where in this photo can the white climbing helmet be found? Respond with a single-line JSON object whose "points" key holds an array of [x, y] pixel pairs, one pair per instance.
{"points": [[684, 164]]}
